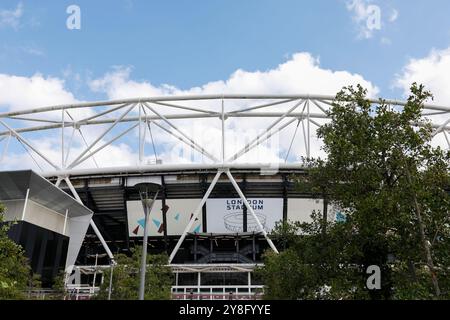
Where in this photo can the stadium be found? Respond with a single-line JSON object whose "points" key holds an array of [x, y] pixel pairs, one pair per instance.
{"points": [[230, 179]]}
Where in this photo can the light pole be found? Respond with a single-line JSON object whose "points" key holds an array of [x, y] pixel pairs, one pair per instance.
{"points": [[148, 193]]}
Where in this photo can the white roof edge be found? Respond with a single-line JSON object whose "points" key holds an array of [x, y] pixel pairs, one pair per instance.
{"points": [[204, 97], [264, 167]]}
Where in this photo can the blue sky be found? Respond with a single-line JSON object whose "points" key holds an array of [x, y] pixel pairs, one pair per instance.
{"points": [[131, 48], [189, 43]]}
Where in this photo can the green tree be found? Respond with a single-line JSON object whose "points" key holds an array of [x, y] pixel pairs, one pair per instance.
{"points": [[125, 279], [15, 272], [382, 172]]}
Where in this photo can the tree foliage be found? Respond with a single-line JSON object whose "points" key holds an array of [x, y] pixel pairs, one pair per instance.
{"points": [[15, 272], [125, 280], [382, 172]]}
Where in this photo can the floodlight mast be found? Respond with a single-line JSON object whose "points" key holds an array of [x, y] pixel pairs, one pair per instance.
{"points": [[148, 192]]}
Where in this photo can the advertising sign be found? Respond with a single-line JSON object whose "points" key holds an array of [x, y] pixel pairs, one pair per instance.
{"points": [[301, 210], [178, 214], [226, 215]]}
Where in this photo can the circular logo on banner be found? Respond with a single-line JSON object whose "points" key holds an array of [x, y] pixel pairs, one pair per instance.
{"points": [[234, 222]]}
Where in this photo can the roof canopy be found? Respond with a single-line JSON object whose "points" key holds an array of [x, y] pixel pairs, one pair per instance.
{"points": [[14, 186]]}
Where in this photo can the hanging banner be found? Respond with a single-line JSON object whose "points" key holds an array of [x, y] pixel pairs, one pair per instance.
{"points": [[226, 215], [178, 214], [301, 209], [135, 213]]}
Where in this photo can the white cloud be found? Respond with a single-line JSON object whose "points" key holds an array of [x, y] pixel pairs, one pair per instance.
{"points": [[117, 85], [301, 74], [18, 93], [11, 18], [433, 71]]}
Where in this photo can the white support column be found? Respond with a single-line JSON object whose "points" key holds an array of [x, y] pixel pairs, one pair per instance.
{"points": [[250, 209], [91, 223], [102, 240], [72, 189], [62, 138], [69, 147], [305, 141], [65, 221], [308, 125], [58, 182], [144, 137], [140, 134], [95, 272], [223, 132], [195, 215], [5, 150], [25, 204]]}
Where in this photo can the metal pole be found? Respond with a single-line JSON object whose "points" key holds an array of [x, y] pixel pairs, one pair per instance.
{"points": [[102, 240], [223, 133], [95, 273], [25, 204], [144, 247], [309, 132], [140, 134], [62, 139], [69, 147], [110, 281], [65, 221], [5, 150], [144, 136]]}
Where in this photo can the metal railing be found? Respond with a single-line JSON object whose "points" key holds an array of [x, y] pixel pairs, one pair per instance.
{"points": [[243, 292]]}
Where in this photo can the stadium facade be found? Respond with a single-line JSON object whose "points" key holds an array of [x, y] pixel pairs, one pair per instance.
{"points": [[213, 216]]}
